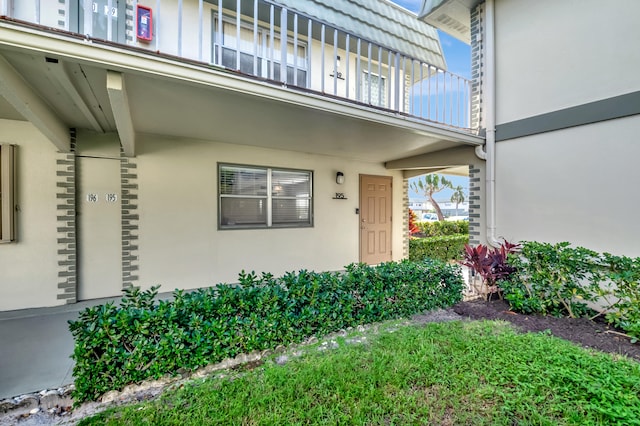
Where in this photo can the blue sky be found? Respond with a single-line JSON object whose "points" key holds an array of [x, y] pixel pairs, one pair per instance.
{"points": [[458, 57], [456, 53]]}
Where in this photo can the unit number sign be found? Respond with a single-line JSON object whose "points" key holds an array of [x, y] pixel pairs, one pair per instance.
{"points": [[95, 198]]}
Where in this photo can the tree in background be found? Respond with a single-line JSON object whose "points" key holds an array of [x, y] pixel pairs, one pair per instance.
{"points": [[429, 185], [457, 196]]}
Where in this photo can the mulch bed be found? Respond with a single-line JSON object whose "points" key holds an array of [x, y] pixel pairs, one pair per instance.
{"points": [[589, 334]]}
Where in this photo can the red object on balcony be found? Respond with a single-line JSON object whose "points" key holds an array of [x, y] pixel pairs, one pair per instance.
{"points": [[144, 23]]}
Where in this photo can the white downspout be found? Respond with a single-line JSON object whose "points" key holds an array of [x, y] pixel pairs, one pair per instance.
{"points": [[489, 154]]}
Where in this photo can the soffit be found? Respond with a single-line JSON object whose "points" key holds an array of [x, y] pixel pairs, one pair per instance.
{"points": [[172, 99]]}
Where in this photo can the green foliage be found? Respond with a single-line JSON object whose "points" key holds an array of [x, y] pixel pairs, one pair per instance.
{"points": [[453, 373], [558, 277], [443, 248], [442, 228], [559, 280], [623, 274], [118, 345]]}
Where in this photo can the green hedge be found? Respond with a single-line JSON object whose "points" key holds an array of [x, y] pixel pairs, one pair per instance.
{"points": [[442, 228], [442, 248], [141, 339]]}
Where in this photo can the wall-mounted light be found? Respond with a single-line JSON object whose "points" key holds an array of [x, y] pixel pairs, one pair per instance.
{"points": [[339, 178]]}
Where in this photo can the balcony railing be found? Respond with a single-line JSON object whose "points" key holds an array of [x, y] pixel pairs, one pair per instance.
{"points": [[267, 41]]}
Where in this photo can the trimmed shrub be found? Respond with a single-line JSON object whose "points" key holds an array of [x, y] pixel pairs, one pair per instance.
{"points": [[443, 248], [442, 228], [142, 339]]}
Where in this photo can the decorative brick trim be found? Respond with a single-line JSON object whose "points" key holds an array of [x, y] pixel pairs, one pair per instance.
{"points": [[129, 219], [405, 218], [66, 223], [129, 25], [477, 66], [474, 205]]}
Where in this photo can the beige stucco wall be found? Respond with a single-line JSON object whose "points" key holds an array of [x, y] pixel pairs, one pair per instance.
{"points": [[180, 245], [576, 185], [554, 54], [28, 267]]}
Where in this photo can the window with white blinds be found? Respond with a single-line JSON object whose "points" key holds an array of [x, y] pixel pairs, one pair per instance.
{"points": [[264, 197]]}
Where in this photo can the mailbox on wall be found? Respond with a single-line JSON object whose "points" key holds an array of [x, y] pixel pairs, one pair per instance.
{"points": [[144, 23]]}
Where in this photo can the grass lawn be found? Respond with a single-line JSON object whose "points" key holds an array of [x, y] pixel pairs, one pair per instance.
{"points": [[456, 373]]}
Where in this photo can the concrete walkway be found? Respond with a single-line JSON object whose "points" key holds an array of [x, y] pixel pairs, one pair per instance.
{"points": [[36, 347]]}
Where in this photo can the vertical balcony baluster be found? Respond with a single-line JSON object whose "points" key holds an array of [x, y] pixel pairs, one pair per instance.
{"points": [[255, 37], [335, 61], [271, 41], [421, 84], [200, 23], [37, 11], [358, 70], [283, 45], [369, 73], [388, 94], [322, 59], [380, 103], [238, 34], [219, 39], [347, 61], [309, 43], [179, 27], [295, 49]]}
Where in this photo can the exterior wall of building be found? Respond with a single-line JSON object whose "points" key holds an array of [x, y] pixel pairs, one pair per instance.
{"points": [[29, 267], [568, 105], [575, 185], [180, 245], [552, 55]]}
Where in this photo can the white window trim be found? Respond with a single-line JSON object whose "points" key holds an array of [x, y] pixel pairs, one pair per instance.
{"points": [[269, 199]]}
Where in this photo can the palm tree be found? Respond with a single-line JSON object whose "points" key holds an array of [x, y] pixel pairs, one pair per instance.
{"points": [[429, 185], [457, 196]]}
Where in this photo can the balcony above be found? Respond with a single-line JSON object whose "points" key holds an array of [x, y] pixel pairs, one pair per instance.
{"points": [[200, 70]]}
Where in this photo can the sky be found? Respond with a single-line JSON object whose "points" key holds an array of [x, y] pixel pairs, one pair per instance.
{"points": [[458, 57]]}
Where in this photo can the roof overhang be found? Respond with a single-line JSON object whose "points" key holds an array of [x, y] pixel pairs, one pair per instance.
{"points": [[451, 16], [109, 88]]}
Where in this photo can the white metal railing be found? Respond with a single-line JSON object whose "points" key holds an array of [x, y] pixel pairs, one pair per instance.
{"points": [[268, 41]]}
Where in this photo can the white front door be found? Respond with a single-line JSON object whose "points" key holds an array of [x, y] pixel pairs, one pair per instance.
{"points": [[99, 228]]}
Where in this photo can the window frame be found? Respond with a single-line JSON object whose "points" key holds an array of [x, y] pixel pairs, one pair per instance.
{"points": [[269, 197], [263, 51], [366, 83], [7, 193]]}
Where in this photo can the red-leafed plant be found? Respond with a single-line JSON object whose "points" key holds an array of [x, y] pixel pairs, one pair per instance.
{"points": [[413, 228], [489, 264]]}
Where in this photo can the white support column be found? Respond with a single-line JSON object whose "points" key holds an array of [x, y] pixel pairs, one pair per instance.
{"points": [[121, 112]]}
